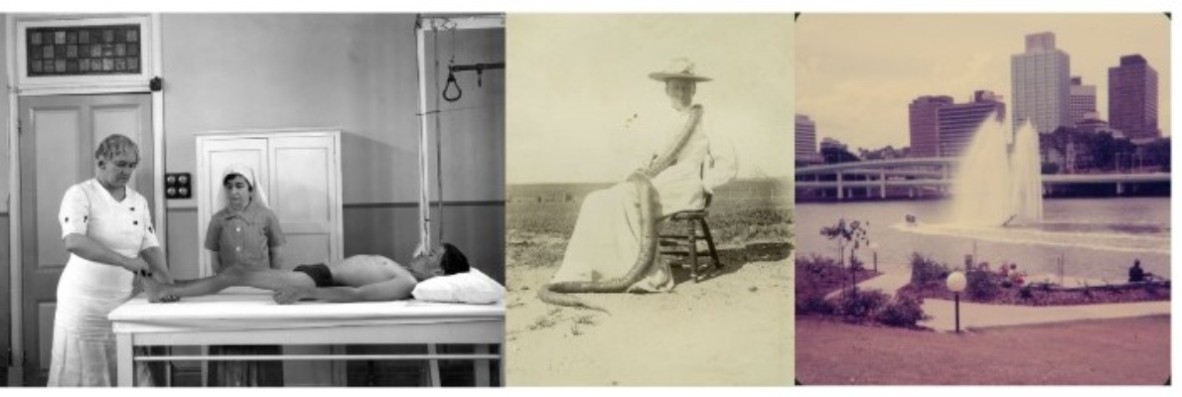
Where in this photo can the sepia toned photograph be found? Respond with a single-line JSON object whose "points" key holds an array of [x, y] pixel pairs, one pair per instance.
{"points": [[983, 199], [648, 216], [242, 200]]}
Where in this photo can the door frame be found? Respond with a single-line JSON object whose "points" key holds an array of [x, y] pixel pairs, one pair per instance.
{"points": [[78, 86]]}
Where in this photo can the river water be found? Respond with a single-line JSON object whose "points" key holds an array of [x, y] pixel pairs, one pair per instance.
{"points": [[1095, 239]]}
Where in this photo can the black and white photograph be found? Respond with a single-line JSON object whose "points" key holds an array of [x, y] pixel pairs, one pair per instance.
{"points": [[262, 199], [649, 211]]}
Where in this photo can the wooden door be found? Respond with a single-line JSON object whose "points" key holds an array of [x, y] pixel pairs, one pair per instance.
{"points": [[57, 142], [305, 195], [300, 172]]}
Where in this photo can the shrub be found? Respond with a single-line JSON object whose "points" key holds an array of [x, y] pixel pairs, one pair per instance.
{"points": [[859, 305], [982, 285], [856, 265], [903, 311], [815, 304], [926, 271], [816, 276], [1026, 292]]}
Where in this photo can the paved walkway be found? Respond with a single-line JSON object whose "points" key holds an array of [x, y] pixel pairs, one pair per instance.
{"points": [[887, 282], [979, 315]]}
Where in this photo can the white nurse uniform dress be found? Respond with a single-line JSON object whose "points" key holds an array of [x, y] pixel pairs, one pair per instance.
{"points": [[83, 343]]}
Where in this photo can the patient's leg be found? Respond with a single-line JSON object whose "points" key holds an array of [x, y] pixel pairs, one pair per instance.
{"points": [[235, 276], [205, 286]]}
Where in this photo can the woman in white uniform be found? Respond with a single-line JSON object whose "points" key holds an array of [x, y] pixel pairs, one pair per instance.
{"points": [[685, 167], [108, 231]]}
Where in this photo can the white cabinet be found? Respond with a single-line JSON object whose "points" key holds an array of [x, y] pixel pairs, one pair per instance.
{"points": [[300, 170]]}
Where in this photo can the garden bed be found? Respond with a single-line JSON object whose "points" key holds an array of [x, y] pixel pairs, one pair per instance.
{"points": [[1050, 295], [928, 281]]}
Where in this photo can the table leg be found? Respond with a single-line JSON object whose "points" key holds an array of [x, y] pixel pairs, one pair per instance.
{"points": [[482, 367], [204, 367], [124, 366], [168, 367], [433, 363]]}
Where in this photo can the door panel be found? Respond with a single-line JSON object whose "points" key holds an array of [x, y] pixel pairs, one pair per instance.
{"points": [[301, 175], [57, 143], [54, 177], [302, 198], [45, 312], [305, 248]]}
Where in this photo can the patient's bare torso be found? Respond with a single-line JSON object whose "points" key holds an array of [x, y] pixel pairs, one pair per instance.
{"points": [[359, 270]]}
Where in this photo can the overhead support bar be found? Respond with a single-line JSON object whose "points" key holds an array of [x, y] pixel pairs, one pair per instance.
{"points": [[479, 67], [436, 23], [442, 22]]}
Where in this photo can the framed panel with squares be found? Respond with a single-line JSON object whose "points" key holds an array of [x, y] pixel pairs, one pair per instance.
{"points": [[106, 51], [83, 50]]}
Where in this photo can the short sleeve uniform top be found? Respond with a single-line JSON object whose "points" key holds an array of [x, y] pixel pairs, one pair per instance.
{"points": [[124, 226], [245, 237]]}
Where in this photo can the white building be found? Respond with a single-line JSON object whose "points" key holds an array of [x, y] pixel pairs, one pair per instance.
{"points": [[1041, 83]]}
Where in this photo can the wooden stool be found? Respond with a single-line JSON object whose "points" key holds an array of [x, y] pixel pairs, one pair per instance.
{"points": [[686, 245]]}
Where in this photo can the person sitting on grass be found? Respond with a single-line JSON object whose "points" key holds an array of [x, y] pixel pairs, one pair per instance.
{"points": [[1016, 277], [358, 278], [1137, 274]]}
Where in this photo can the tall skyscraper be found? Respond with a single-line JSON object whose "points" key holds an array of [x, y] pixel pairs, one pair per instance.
{"points": [[1132, 98], [925, 137], [1083, 101], [806, 139], [1041, 85], [958, 123]]}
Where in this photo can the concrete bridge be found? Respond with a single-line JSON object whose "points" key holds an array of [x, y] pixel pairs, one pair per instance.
{"points": [[918, 177]]}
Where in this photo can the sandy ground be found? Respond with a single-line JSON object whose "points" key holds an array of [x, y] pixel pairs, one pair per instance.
{"points": [[1133, 351], [732, 329]]}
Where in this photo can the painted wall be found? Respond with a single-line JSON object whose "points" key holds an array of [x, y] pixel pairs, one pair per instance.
{"points": [[5, 321], [357, 73], [4, 103], [5, 318]]}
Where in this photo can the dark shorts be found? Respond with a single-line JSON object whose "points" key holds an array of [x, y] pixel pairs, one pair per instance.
{"points": [[318, 272]]}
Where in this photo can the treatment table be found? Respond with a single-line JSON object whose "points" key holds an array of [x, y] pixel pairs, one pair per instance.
{"points": [[248, 316]]}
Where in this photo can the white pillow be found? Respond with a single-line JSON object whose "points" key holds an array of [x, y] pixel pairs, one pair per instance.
{"points": [[470, 287]]}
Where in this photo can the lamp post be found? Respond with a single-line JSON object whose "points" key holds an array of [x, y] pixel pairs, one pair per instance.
{"points": [[874, 250], [956, 283]]}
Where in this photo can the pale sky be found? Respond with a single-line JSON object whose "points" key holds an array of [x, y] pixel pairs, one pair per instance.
{"points": [[856, 74], [575, 81]]}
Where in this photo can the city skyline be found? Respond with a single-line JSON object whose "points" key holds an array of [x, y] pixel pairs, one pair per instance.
{"points": [[857, 74]]}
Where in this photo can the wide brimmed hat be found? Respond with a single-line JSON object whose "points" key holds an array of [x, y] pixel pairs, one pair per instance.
{"points": [[679, 69]]}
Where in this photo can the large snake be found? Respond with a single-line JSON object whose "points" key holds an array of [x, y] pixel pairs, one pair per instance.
{"points": [[650, 213]]}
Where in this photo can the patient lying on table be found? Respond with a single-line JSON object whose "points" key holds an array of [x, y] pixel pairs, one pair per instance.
{"points": [[357, 278]]}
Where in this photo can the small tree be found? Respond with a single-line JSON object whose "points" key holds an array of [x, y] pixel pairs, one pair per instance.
{"points": [[851, 234], [848, 234]]}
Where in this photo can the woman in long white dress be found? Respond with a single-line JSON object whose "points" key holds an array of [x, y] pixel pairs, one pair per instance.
{"points": [[684, 169], [108, 231]]}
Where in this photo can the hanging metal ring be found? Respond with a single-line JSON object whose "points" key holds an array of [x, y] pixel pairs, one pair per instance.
{"points": [[451, 82]]}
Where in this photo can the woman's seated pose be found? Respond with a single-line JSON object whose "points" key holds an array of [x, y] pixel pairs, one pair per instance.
{"points": [[612, 248]]}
